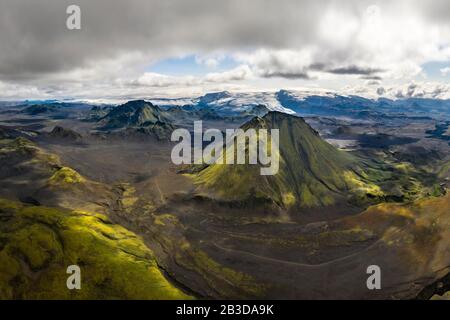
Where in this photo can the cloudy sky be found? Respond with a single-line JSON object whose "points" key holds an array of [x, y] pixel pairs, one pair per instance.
{"points": [[142, 48]]}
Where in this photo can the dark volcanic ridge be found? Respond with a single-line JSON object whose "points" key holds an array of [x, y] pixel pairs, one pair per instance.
{"points": [[138, 117]]}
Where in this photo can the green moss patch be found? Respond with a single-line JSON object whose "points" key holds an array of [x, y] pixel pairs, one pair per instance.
{"points": [[66, 175], [37, 244]]}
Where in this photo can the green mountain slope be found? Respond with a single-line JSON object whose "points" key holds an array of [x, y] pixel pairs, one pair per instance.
{"points": [[38, 243], [312, 172]]}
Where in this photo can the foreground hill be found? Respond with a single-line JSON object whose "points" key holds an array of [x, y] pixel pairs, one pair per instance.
{"points": [[39, 243]]}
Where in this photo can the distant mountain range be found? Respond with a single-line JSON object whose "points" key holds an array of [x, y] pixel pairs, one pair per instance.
{"points": [[140, 116], [227, 103], [315, 104], [304, 103]]}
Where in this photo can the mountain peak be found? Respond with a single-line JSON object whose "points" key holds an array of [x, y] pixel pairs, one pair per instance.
{"points": [[138, 117], [138, 104], [64, 133], [136, 113], [275, 119], [312, 172]]}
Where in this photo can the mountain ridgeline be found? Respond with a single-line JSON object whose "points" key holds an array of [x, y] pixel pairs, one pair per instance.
{"points": [[311, 171], [138, 116]]}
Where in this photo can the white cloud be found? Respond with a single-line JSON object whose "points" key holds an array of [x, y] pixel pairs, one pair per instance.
{"points": [[9, 91], [151, 79], [278, 63], [445, 71], [210, 61], [391, 41], [239, 73], [431, 90]]}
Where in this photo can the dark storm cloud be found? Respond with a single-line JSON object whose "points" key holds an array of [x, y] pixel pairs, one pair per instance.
{"points": [[120, 38], [373, 78], [286, 75], [34, 38], [365, 73], [354, 70], [381, 91], [436, 10]]}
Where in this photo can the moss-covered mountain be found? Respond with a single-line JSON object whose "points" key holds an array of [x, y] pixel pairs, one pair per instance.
{"points": [[38, 243], [139, 116], [312, 172]]}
